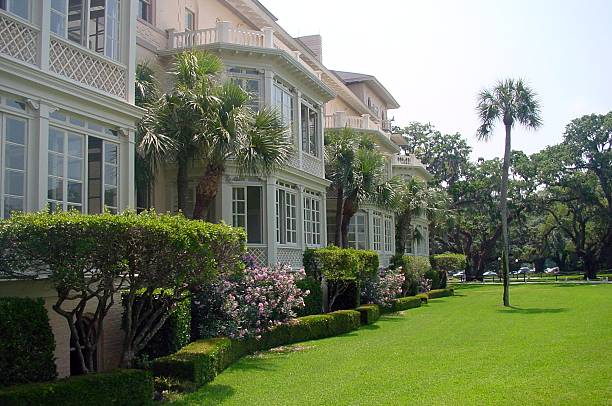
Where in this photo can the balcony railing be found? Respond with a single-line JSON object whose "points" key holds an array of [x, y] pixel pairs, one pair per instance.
{"points": [[406, 160], [386, 125], [21, 41], [225, 33], [340, 120]]}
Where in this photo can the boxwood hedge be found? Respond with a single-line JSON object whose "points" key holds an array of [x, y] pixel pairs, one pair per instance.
{"points": [[26, 342], [121, 387], [369, 313], [434, 294], [405, 303]]}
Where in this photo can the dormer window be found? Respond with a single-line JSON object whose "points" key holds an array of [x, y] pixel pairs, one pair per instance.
{"points": [[20, 8], [90, 23]]}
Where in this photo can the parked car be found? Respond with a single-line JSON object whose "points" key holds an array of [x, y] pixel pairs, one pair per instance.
{"points": [[490, 273], [552, 271], [524, 270], [459, 274]]}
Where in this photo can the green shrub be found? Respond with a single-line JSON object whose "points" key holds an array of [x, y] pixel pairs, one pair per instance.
{"points": [[434, 276], [174, 334], [201, 361], [369, 313], [449, 262], [26, 342], [434, 294], [121, 387], [423, 297], [314, 301], [405, 303]]}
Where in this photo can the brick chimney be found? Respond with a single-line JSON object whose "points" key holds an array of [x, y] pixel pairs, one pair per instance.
{"points": [[315, 44]]}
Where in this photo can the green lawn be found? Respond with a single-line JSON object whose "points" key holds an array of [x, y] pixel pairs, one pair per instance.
{"points": [[554, 347]]}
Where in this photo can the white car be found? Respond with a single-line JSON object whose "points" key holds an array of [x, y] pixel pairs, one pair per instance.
{"points": [[525, 270], [490, 273], [552, 271], [459, 274]]}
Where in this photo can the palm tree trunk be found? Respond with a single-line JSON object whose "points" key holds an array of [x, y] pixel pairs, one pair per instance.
{"points": [[182, 184], [339, 210], [206, 191], [504, 216], [350, 208]]}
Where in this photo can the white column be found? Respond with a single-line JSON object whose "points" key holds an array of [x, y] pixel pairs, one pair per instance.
{"points": [[301, 241], [223, 31], [126, 170], [226, 201], [38, 166], [365, 121], [44, 39], [128, 22], [340, 119], [268, 33], [271, 219], [370, 219], [268, 85], [324, 219], [298, 123], [321, 130]]}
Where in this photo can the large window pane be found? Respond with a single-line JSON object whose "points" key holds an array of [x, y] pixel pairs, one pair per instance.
{"points": [[254, 215], [15, 156], [12, 204], [76, 21], [59, 17], [94, 175], [14, 164]]}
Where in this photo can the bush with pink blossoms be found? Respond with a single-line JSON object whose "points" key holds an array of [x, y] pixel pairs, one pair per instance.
{"points": [[248, 303], [383, 288]]}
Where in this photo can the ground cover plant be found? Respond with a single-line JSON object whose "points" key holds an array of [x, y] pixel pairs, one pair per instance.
{"points": [[465, 349]]}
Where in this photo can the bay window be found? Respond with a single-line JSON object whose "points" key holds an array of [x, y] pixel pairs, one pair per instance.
{"points": [[14, 141], [20, 8], [286, 216], [310, 129], [247, 211], [66, 170], [312, 220], [357, 232], [282, 99], [90, 23]]}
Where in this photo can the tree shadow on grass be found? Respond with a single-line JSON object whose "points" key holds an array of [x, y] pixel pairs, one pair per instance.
{"points": [[370, 327], [211, 394], [532, 310]]}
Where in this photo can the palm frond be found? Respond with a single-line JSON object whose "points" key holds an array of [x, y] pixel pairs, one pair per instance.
{"points": [[488, 111]]}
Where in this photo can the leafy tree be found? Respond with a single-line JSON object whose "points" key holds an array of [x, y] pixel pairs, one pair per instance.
{"points": [[210, 121], [509, 101], [411, 201]]}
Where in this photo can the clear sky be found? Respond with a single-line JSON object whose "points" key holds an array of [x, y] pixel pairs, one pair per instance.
{"points": [[435, 55]]}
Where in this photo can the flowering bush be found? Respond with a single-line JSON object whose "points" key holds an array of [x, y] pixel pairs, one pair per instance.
{"points": [[424, 285], [248, 303], [383, 288]]}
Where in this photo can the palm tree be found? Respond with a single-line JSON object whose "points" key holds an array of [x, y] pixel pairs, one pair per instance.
{"points": [[202, 118], [411, 201], [366, 181], [510, 101], [340, 149]]}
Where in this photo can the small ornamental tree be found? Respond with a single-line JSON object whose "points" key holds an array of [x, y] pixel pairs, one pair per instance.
{"points": [[383, 288], [90, 259]]}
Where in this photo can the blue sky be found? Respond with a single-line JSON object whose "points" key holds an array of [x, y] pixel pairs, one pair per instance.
{"points": [[435, 55]]}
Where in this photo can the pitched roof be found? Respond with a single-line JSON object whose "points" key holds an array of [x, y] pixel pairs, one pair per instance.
{"points": [[353, 77]]}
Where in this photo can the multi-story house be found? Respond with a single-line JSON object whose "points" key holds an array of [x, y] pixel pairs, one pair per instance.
{"points": [[67, 123], [283, 213]]}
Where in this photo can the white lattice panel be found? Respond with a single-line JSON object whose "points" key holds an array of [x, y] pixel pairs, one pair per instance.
{"points": [[260, 254], [77, 64], [313, 166], [291, 256], [18, 40]]}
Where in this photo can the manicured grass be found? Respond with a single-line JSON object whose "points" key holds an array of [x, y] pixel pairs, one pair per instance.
{"points": [[553, 347]]}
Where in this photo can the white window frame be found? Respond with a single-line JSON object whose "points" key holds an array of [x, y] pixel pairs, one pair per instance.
{"points": [[359, 239], [9, 8], [112, 40], [149, 5], [241, 75], [377, 224], [3, 147], [308, 146], [190, 13], [63, 177], [105, 182], [388, 233], [280, 95], [63, 15], [244, 215], [286, 215], [312, 220]]}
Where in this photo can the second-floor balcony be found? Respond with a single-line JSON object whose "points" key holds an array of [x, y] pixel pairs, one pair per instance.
{"points": [[340, 119], [27, 43]]}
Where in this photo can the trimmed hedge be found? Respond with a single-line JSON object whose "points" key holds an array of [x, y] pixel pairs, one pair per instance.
{"points": [[434, 294], [423, 297], [26, 342], [434, 276], [121, 387], [201, 361], [449, 262], [314, 301], [335, 263], [405, 303], [369, 313]]}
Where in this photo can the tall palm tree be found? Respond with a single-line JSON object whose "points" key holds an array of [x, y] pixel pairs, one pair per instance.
{"points": [[366, 182], [510, 101], [340, 149], [201, 118]]}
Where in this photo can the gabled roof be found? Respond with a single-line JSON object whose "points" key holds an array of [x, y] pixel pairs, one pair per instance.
{"points": [[353, 77]]}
